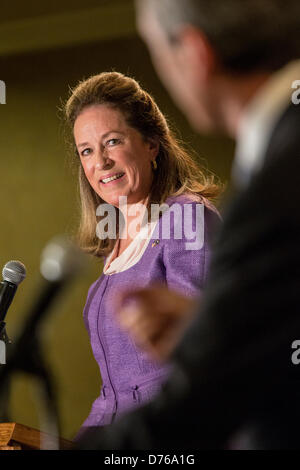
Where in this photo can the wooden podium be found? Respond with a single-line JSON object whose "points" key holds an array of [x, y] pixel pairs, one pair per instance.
{"points": [[14, 436]]}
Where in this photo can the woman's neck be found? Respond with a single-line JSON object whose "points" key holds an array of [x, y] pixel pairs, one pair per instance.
{"points": [[133, 215]]}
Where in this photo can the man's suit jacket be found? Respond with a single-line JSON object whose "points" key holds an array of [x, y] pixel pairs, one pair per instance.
{"points": [[234, 384]]}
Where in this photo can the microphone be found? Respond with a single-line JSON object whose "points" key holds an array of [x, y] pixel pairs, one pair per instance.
{"points": [[60, 262], [13, 273]]}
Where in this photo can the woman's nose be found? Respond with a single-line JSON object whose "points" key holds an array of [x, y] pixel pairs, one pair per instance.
{"points": [[102, 161]]}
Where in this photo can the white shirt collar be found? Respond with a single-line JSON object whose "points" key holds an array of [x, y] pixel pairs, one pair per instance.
{"points": [[132, 254], [259, 120]]}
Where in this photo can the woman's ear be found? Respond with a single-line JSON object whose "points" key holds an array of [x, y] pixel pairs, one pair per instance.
{"points": [[153, 147]]}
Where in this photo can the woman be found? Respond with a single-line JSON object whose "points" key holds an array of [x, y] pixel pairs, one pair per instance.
{"points": [[130, 160]]}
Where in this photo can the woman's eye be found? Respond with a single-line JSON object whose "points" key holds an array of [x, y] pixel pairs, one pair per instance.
{"points": [[85, 152], [112, 142]]}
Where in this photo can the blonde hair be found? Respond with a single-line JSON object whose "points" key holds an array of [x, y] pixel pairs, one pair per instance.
{"points": [[176, 173]]}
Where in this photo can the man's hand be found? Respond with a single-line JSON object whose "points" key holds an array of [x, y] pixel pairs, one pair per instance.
{"points": [[156, 318]]}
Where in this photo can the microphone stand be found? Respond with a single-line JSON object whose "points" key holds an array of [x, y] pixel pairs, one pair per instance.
{"points": [[4, 396], [26, 356]]}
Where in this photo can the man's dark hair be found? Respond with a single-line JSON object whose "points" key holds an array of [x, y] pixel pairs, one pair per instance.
{"points": [[247, 35]]}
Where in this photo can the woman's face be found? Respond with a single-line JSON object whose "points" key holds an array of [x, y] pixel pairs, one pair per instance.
{"points": [[115, 157]]}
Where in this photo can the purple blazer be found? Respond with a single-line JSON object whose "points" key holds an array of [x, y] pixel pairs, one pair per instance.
{"points": [[129, 377]]}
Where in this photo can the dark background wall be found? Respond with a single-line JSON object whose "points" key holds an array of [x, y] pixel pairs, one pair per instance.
{"points": [[38, 188]]}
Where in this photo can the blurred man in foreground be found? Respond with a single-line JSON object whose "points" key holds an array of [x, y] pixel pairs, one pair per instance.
{"points": [[231, 67]]}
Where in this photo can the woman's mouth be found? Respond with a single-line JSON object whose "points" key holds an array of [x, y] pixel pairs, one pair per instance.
{"points": [[111, 178]]}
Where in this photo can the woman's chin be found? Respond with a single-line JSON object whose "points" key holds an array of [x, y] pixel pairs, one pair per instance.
{"points": [[117, 200], [122, 198]]}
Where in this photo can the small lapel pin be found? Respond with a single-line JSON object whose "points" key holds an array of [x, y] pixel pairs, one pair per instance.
{"points": [[156, 242]]}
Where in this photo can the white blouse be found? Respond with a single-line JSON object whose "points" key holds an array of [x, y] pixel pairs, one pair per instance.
{"points": [[133, 253]]}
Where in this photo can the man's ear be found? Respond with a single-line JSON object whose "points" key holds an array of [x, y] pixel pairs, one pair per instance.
{"points": [[195, 52]]}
